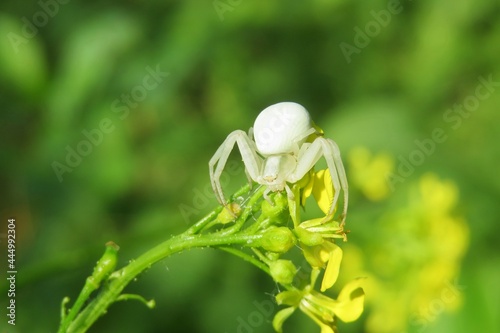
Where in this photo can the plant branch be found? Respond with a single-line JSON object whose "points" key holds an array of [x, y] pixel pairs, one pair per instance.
{"points": [[119, 279]]}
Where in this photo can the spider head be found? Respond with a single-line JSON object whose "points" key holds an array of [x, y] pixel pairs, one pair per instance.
{"points": [[276, 170]]}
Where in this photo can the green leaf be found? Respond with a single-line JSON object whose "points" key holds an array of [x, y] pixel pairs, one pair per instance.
{"points": [[22, 58]]}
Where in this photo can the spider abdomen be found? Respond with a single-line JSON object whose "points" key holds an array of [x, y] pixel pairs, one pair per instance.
{"points": [[280, 128]]}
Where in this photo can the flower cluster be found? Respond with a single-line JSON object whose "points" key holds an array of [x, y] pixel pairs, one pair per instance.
{"points": [[316, 239], [320, 308], [426, 245], [266, 222]]}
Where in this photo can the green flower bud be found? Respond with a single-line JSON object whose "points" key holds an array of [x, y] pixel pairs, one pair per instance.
{"points": [[279, 206], [106, 264], [283, 271], [229, 213], [278, 240], [273, 256], [307, 237]]}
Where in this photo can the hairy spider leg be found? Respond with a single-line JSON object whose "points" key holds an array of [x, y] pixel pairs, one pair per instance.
{"points": [[253, 162]]}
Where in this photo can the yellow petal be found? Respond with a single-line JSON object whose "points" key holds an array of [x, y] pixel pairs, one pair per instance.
{"points": [[323, 190], [326, 329], [350, 301], [313, 256], [333, 267]]}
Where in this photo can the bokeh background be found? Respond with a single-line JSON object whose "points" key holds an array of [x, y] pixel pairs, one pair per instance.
{"points": [[379, 77]]}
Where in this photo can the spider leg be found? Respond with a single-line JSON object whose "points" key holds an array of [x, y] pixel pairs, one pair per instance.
{"points": [[289, 192], [250, 181], [250, 133], [250, 136], [306, 160], [266, 196], [341, 175], [309, 157], [298, 151], [217, 163], [304, 135], [328, 154]]}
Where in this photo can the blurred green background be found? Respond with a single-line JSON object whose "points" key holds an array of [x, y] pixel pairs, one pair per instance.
{"points": [[379, 77]]}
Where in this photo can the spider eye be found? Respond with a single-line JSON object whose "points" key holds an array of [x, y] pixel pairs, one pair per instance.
{"points": [[278, 126]]}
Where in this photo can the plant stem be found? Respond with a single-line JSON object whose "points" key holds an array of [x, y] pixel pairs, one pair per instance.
{"points": [[247, 257], [87, 290], [119, 279], [245, 215]]}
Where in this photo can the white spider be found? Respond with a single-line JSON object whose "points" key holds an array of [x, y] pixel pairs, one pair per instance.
{"points": [[280, 154]]}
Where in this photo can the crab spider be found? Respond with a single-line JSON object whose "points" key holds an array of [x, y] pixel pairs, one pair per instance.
{"points": [[275, 153]]}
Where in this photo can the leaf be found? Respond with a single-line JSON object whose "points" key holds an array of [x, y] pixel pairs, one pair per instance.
{"points": [[22, 58]]}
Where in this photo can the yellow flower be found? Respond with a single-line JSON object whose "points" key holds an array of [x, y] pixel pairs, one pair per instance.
{"points": [[326, 253], [320, 308], [320, 185], [368, 173], [322, 190], [316, 183], [314, 234], [424, 242]]}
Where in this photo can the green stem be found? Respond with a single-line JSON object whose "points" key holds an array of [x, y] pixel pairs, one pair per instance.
{"points": [[103, 268], [198, 226], [119, 279], [87, 290], [262, 257], [195, 228], [249, 207], [245, 256], [127, 297]]}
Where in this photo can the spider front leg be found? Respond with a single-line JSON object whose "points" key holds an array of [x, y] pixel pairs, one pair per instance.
{"points": [[249, 178], [335, 155], [310, 156], [252, 161]]}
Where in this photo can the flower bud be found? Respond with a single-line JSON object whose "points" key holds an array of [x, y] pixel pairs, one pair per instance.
{"points": [[307, 237], [278, 240], [106, 264], [283, 271], [229, 213], [274, 210]]}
